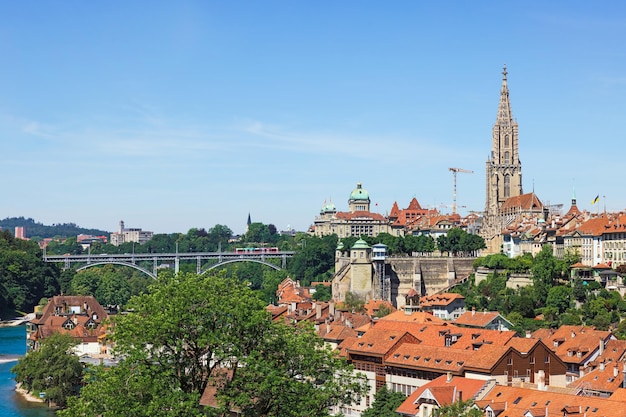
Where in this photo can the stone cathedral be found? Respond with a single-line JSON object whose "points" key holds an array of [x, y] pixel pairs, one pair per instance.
{"points": [[504, 169]]}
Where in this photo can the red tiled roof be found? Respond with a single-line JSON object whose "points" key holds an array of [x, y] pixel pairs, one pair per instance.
{"points": [[360, 215], [524, 202], [575, 344], [444, 390], [476, 318], [517, 401], [443, 299]]}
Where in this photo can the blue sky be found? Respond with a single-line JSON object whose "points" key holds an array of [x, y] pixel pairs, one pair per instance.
{"points": [[178, 114]]}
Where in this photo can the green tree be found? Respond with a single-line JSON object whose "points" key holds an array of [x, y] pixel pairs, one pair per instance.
{"points": [[559, 298], [53, 369], [292, 373], [354, 303], [24, 277], [186, 319], [545, 272], [133, 390], [314, 260], [322, 293], [385, 404]]}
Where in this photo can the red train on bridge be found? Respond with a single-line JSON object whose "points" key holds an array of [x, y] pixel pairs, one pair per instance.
{"points": [[256, 250]]}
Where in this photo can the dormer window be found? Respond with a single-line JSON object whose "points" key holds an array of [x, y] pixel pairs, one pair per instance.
{"points": [[69, 325]]}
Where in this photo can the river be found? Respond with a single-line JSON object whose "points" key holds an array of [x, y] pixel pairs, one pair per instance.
{"points": [[13, 344]]}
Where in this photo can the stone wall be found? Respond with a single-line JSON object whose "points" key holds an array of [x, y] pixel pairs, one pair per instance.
{"points": [[425, 275]]}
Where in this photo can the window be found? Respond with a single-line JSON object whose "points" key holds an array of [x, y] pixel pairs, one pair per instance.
{"points": [[532, 360], [509, 361], [507, 157], [506, 140], [507, 186]]}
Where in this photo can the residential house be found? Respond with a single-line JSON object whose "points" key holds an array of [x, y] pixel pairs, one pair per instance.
{"points": [[445, 390], [79, 316], [483, 320], [447, 306], [576, 346]]}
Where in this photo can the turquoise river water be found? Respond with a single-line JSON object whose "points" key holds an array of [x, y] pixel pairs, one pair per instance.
{"points": [[12, 345]]}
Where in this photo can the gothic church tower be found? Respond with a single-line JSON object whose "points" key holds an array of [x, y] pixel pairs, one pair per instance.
{"points": [[504, 169]]}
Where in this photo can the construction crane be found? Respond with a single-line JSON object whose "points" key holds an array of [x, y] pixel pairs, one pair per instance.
{"points": [[454, 171]]}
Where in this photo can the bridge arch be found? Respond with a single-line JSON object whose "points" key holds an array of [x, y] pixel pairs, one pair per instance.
{"points": [[145, 271], [230, 261]]}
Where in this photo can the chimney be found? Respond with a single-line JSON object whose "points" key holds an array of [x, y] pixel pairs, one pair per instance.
{"points": [[318, 310], [615, 371], [528, 334], [602, 366], [601, 347], [573, 334], [624, 376], [541, 380], [473, 310], [448, 377], [331, 308]]}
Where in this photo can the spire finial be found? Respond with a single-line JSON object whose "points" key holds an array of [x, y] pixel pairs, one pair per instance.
{"points": [[504, 72]]}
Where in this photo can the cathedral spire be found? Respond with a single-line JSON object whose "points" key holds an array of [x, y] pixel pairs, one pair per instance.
{"points": [[505, 115]]}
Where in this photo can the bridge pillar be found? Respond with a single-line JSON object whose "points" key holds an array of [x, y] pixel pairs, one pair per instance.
{"points": [[176, 265]]}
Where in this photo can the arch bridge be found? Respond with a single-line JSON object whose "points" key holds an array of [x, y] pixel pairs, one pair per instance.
{"points": [[160, 260]]}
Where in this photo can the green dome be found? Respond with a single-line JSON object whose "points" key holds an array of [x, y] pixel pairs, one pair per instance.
{"points": [[340, 245], [330, 207], [360, 244], [359, 193]]}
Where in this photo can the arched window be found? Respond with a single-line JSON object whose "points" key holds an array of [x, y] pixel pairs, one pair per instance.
{"points": [[507, 186], [506, 140], [507, 157]]}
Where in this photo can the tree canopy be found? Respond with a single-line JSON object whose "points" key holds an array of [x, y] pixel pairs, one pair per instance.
{"points": [[52, 369], [188, 330]]}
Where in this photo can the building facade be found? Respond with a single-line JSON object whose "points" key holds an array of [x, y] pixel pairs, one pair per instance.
{"points": [[357, 221], [125, 235]]}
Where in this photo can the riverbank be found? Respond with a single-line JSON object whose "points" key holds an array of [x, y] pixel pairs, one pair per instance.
{"points": [[27, 395], [18, 321]]}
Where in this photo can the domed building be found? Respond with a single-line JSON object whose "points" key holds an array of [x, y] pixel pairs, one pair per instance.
{"points": [[357, 221]]}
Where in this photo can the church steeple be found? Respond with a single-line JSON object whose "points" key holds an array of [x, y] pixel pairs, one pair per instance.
{"points": [[504, 169], [503, 178]]}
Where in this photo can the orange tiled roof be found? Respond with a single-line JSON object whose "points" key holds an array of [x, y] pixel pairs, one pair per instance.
{"points": [[444, 390], [606, 378], [372, 306], [524, 202], [380, 342], [360, 214], [419, 317], [517, 401], [476, 319], [440, 300], [573, 344]]}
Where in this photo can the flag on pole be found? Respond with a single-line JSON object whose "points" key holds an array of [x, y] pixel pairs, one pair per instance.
{"points": [[595, 200]]}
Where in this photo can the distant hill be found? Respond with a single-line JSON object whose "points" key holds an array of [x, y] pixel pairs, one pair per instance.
{"points": [[33, 229]]}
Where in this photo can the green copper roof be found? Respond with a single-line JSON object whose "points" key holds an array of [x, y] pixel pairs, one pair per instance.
{"points": [[360, 244], [340, 245], [359, 193]]}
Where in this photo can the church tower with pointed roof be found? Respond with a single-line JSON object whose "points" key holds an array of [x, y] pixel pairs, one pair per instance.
{"points": [[503, 169]]}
